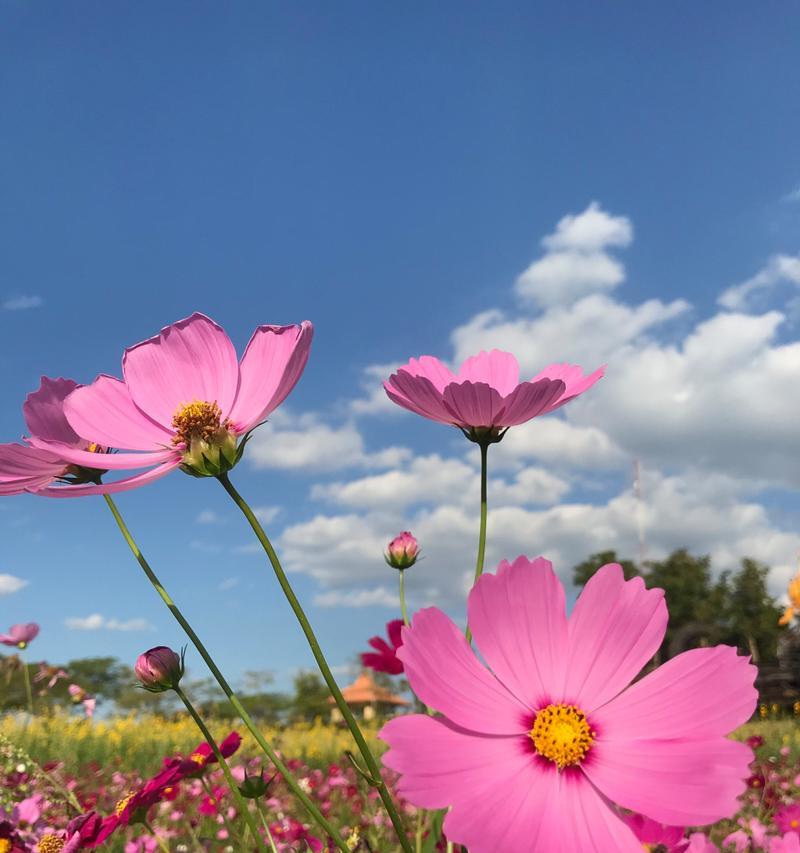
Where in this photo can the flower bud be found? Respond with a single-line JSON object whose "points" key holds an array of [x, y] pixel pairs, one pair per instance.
{"points": [[403, 551], [159, 669], [212, 457], [254, 787]]}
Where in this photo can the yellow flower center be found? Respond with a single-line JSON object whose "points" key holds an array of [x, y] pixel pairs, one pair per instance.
{"points": [[561, 734], [119, 808], [197, 420], [5, 845], [794, 823], [50, 844], [198, 758]]}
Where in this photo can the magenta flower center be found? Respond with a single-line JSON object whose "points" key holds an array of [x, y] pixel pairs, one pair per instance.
{"points": [[561, 734], [198, 420]]}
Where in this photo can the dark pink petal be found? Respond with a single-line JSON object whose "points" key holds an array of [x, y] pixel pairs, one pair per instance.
{"points": [[428, 367], [380, 645], [527, 647], [104, 413], [681, 781], [25, 468], [44, 411], [419, 395], [109, 488], [529, 400], [473, 404], [270, 368], [615, 628], [702, 692], [190, 360], [394, 629], [387, 663], [498, 369], [105, 461], [445, 674], [572, 377]]}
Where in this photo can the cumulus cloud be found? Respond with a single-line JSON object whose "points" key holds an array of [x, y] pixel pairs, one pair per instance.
{"points": [[97, 622], [10, 584], [22, 303], [779, 269], [207, 516], [307, 443], [576, 262], [375, 401], [373, 597]]}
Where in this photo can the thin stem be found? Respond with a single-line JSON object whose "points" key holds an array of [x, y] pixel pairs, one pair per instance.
{"points": [[159, 840], [28, 693], [482, 532], [322, 663], [245, 811], [301, 795], [232, 834], [265, 824], [403, 596]]}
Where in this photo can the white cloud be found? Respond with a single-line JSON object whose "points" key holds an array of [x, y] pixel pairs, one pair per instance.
{"points": [[266, 514], [794, 195], [780, 269], [305, 442], [22, 303], [373, 597], [207, 516], [576, 262], [10, 584], [432, 479], [375, 401], [96, 622], [228, 584]]}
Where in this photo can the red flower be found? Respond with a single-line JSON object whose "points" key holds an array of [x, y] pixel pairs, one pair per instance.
{"points": [[385, 658], [203, 755]]}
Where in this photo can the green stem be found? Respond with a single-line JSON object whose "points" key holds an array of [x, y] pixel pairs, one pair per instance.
{"points": [[233, 835], [327, 675], [403, 596], [226, 770], [159, 840], [301, 795], [27, 676], [482, 533], [265, 824]]}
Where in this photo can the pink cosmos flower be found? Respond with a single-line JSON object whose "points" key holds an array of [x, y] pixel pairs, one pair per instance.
{"points": [[700, 843], [185, 401], [531, 754], [485, 397], [80, 696], [790, 843], [787, 818], [20, 636], [384, 658], [654, 835], [38, 466]]}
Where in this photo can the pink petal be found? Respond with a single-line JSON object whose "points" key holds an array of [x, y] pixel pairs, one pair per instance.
{"points": [[681, 781], [572, 377], [26, 468], [702, 692], [473, 404], [615, 628], [498, 369], [105, 461], [419, 395], [109, 488], [498, 792], [44, 411], [394, 630], [430, 368], [270, 368], [190, 360], [519, 623], [104, 413], [443, 671], [529, 400]]}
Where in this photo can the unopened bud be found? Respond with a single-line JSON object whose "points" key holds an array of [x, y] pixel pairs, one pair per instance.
{"points": [[403, 551], [159, 669]]}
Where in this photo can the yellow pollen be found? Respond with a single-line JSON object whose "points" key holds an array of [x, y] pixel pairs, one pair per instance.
{"points": [[198, 758], [794, 823], [50, 844], [5, 845], [119, 808], [197, 420], [561, 734]]}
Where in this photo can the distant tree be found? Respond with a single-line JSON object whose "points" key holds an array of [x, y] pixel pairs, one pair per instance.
{"points": [[583, 571], [752, 613], [102, 677], [310, 698]]}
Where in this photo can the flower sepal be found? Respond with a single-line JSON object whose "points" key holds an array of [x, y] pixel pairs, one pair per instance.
{"points": [[212, 458]]}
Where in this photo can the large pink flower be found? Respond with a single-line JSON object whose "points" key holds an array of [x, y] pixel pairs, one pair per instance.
{"points": [[184, 401], [486, 393], [20, 636], [531, 755]]}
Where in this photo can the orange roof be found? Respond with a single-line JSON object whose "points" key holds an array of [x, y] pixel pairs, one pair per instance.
{"points": [[364, 690]]}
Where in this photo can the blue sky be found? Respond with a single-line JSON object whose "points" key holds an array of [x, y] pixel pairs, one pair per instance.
{"points": [[390, 173]]}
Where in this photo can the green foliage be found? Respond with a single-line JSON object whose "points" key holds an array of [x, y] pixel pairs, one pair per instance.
{"points": [[310, 698], [583, 571]]}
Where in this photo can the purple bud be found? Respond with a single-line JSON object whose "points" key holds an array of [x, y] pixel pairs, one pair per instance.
{"points": [[159, 669], [403, 551]]}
